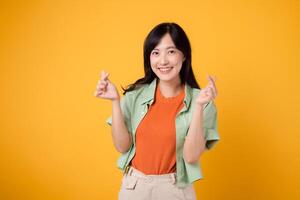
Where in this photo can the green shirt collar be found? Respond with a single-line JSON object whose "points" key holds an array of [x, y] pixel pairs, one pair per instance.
{"points": [[149, 93]]}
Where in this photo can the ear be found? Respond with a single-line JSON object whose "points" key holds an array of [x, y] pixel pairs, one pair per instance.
{"points": [[183, 59]]}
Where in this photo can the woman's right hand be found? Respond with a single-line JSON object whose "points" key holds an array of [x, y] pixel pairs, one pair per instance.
{"points": [[106, 89]]}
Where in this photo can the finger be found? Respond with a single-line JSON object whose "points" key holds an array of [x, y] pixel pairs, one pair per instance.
{"points": [[98, 93], [102, 84], [103, 81], [214, 78], [213, 84], [100, 87], [214, 90], [207, 92], [209, 87], [211, 80], [211, 92], [104, 75]]}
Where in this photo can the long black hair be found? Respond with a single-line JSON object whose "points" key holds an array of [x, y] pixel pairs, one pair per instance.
{"points": [[181, 42]]}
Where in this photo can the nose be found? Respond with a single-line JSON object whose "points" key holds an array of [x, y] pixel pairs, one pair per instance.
{"points": [[164, 60]]}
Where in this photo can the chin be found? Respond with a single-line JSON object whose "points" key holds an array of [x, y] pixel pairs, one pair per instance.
{"points": [[166, 79]]}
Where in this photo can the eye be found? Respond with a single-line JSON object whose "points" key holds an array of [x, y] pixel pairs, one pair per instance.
{"points": [[154, 53], [172, 51]]}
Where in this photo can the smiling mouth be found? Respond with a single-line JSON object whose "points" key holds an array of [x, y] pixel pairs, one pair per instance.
{"points": [[165, 69]]}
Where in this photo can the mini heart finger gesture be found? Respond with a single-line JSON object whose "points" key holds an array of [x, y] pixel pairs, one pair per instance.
{"points": [[209, 93], [105, 88]]}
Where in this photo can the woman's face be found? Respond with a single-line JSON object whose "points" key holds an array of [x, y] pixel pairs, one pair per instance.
{"points": [[166, 60]]}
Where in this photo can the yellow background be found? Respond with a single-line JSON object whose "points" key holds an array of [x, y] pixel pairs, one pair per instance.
{"points": [[54, 143]]}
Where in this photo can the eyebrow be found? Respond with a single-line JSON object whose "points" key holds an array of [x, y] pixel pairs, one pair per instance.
{"points": [[170, 47]]}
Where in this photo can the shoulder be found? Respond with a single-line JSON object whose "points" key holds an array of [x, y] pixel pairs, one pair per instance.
{"points": [[136, 92], [132, 96]]}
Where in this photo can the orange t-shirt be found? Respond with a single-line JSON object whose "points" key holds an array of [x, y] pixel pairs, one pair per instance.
{"points": [[156, 136]]}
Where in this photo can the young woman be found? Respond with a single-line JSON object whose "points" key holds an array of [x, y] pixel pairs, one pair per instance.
{"points": [[164, 121]]}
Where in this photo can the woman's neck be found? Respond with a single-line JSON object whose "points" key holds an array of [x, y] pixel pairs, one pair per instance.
{"points": [[170, 89]]}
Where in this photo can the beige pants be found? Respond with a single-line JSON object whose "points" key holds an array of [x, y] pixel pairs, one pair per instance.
{"points": [[138, 186]]}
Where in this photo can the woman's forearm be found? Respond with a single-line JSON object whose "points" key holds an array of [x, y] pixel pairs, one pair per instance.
{"points": [[121, 137], [194, 144]]}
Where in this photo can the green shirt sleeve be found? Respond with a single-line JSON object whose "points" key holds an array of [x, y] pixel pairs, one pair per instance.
{"points": [[211, 125], [125, 107]]}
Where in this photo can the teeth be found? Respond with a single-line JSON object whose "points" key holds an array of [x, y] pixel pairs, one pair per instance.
{"points": [[165, 69]]}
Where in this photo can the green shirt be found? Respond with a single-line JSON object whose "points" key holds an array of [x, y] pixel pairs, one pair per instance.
{"points": [[134, 106]]}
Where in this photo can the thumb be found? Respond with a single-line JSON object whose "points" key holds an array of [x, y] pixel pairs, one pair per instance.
{"points": [[104, 75]]}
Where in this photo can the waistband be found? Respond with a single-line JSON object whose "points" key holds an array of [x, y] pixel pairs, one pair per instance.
{"points": [[171, 177]]}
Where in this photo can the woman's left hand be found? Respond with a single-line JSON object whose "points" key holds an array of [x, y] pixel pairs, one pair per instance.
{"points": [[208, 93]]}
